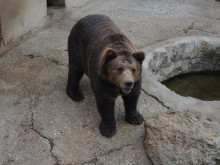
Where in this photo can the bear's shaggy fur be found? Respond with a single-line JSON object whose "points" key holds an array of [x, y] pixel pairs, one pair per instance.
{"points": [[98, 48]]}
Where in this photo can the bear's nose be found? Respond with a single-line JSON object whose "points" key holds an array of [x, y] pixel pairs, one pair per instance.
{"points": [[129, 84]]}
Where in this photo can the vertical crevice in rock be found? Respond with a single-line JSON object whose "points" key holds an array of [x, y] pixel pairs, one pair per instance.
{"points": [[156, 99], [1, 37]]}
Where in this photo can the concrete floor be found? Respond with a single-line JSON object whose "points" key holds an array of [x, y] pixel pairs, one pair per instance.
{"points": [[39, 124]]}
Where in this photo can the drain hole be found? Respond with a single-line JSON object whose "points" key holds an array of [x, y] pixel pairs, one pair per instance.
{"points": [[201, 85], [58, 3]]}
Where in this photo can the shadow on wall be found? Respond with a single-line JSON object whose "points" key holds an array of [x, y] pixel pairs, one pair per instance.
{"points": [[1, 39]]}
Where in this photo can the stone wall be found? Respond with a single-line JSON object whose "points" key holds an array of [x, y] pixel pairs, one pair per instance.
{"points": [[184, 57]]}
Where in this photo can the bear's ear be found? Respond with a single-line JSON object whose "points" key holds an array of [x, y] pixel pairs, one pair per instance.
{"points": [[139, 56], [108, 55]]}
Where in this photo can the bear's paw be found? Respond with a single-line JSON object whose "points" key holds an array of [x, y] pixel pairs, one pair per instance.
{"points": [[107, 129], [135, 118]]}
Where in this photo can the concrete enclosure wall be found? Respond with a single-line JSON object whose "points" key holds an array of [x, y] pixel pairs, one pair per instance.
{"points": [[19, 17]]}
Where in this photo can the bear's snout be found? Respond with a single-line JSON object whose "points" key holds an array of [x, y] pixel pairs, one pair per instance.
{"points": [[128, 86], [129, 83]]}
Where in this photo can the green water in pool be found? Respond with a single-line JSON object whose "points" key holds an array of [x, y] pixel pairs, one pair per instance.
{"points": [[203, 86]]}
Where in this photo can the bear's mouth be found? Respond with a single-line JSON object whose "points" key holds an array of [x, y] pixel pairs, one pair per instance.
{"points": [[126, 90]]}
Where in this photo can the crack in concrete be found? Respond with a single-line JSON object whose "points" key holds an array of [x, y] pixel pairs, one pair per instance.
{"points": [[31, 56], [161, 102], [95, 160], [50, 140], [34, 101], [191, 28], [8, 162]]}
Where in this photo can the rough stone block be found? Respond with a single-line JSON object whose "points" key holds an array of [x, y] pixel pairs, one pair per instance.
{"points": [[182, 138]]}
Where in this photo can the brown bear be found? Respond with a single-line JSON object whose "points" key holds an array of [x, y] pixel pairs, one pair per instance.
{"points": [[99, 49]]}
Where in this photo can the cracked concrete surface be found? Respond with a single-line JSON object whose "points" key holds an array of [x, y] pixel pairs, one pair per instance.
{"points": [[50, 140], [39, 124]]}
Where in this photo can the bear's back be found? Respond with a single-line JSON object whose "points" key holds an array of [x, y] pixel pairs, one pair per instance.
{"points": [[97, 26], [92, 29], [89, 34]]}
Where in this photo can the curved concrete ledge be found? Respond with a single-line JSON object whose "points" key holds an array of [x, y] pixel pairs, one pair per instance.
{"points": [[176, 56]]}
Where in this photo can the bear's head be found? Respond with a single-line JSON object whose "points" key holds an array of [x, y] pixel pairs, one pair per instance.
{"points": [[122, 69]]}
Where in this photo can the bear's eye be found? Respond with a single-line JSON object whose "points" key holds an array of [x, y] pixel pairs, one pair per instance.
{"points": [[119, 70], [134, 70]]}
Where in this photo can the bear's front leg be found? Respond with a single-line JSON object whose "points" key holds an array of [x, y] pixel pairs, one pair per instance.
{"points": [[132, 116], [105, 106]]}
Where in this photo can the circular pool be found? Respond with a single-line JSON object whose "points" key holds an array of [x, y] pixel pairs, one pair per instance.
{"points": [[181, 56]]}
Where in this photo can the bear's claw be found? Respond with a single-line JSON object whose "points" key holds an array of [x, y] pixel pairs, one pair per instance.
{"points": [[134, 118], [107, 130]]}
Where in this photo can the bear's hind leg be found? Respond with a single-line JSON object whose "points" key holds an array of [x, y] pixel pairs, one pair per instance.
{"points": [[72, 89]]}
